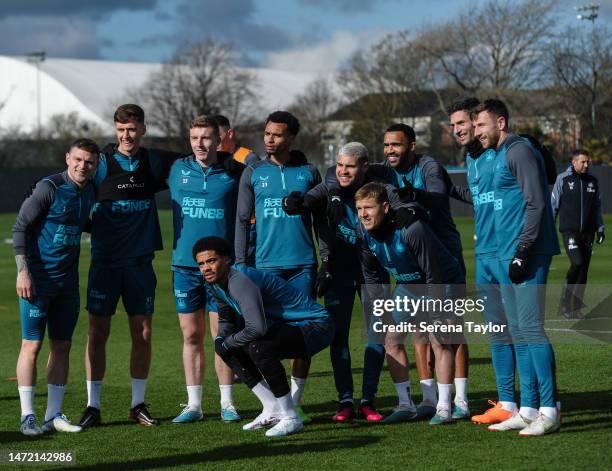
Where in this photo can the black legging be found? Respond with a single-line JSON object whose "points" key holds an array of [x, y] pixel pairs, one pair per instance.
{"points": [[578, 247], [262, 357]]}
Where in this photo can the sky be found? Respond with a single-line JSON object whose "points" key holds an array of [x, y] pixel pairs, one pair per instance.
{"points": [[316, 36]]}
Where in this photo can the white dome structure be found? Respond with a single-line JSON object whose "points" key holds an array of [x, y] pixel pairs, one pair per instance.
{"points": [[31, 90]]}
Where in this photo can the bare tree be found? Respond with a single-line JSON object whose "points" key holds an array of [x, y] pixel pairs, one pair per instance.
{"points": [[581, 67], [201, 78], [495, 46]]}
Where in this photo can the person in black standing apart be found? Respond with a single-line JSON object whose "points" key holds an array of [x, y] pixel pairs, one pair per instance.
{"points": [[576, 199]]}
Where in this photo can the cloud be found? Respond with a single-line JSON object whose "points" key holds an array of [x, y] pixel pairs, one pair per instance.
{"points": [[93, 9], [346, 6], [231, 20], [321, 58], [57, 35]]}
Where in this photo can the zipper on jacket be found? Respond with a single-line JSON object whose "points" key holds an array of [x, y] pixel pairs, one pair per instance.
{"points": [[282, 176], [580, 203]]}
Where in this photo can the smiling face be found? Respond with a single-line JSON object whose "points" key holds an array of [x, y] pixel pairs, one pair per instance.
{"points": [[129, 136], [204, 144], [488, 129], [397, 147], [371, 213], [214, 267], [349, 171], [81, 165], [462, 127]]}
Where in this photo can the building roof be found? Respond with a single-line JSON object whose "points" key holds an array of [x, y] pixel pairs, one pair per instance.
{"points": [[94, 88]]}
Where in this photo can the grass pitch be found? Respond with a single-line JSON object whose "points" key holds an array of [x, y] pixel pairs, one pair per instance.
{"points": [[584, 376]]}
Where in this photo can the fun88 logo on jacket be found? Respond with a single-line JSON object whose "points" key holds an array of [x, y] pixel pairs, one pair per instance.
{"points": [[195, 208], [273, 208]]}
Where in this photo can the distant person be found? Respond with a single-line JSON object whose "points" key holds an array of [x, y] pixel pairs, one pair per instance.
{"points": [[576, 199], [47, 244]]}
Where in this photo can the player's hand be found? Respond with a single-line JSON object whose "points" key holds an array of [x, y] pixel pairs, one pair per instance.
{"points": [[407, 193], [335, 208], [25, 285], [405, 216], [221, 347], [324, 279], [294, 203], [601, 236], [518, 266]]}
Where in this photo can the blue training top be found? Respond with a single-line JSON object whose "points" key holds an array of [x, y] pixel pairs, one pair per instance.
{"points": [[282, 240], [48, 231], [203, 204], [522, 210], [480, 172]]}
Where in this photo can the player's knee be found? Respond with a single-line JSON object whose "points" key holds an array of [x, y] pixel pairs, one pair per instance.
{"points": [[192, 337], [257, 351], [30, 348], [60, 347]]}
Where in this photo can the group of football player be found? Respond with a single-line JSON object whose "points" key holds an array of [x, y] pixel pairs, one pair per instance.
{"points": [[244, 254]]}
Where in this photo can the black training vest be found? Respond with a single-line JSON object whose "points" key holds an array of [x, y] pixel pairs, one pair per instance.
{"points": [[120, 185]]}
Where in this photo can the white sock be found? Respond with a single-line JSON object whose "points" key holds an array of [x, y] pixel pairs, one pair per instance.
{"points": [[444, 392], [287, 406], [26, 398], [297, 389], [549, 412], [55, 398], [428, 386], [265, 396], [227, 398], [194, 397], [509, 406], [404, 394], [461, 385], [94, 388], [139, 386], [528, 412]]}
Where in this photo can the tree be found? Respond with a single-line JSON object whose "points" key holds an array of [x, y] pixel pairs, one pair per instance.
{"points": [[202, 78], [312, 107], [580, 63], [380, 83], [496, 46]]}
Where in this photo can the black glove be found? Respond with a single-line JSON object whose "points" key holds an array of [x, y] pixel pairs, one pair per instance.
{"points": [[518, 265], [407, 193], [221, 347], [324, 278], [335, 208], [294, 203], [601, 236], [404, 216]]}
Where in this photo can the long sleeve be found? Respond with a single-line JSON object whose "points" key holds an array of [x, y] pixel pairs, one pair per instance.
{"points": [[248, 297], [244, 210], [555, 197], [418, 237], [598, 211], [34, 208], [523, 164]]}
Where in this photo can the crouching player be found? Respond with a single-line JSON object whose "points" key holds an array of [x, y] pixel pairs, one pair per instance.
{"points": [[47, 244], [262, 320], [413, 255]]}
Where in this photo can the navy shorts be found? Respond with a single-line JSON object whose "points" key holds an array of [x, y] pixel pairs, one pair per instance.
{"points": [[60, 312], [134, 284], [191, 292]]}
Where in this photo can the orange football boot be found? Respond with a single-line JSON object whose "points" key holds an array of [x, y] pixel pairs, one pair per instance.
{"points": [[493, 415]]}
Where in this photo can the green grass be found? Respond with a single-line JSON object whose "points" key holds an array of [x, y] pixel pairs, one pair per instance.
{"points": [[584, 373]]}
